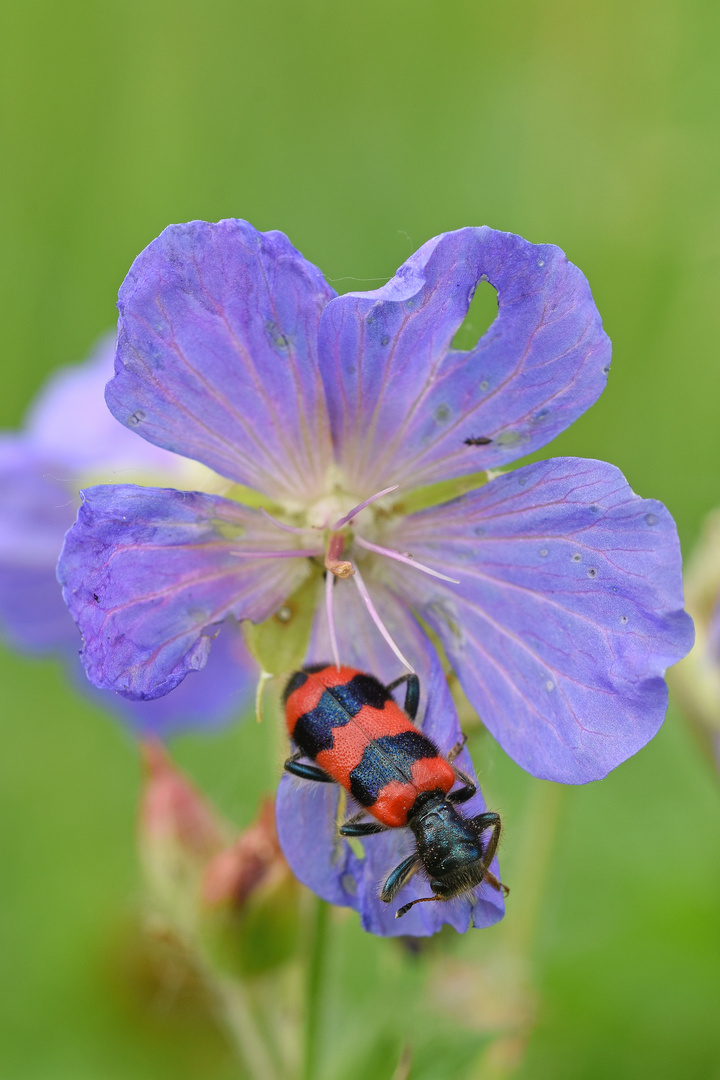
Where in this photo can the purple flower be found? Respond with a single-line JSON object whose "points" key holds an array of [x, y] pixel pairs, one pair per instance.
{"points": [[555, 591], [68, 438]]}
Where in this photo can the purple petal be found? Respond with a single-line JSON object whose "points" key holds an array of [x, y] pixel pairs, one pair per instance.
{"points": [[149, 574], [70, 425], [33, 616], [307, 812], [207, 699], [568, 612], [216, 355], [403, 403], [35, 512], [36, 507]]}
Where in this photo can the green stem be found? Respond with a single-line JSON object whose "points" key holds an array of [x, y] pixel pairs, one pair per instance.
{"points": [[234, 1005], [533, 854], [315, 968]]}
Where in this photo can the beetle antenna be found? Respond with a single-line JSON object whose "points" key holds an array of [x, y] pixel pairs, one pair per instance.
{"points": [[421, 900]]}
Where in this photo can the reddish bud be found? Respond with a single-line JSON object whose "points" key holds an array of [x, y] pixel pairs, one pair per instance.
{"points": [[255, 859]]}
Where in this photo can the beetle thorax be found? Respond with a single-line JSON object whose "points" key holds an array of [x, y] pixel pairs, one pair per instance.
{"points": [[449, 846]]}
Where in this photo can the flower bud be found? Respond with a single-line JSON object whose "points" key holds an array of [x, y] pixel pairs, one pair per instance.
{"points": [[179, 834], [251, 899], [252, 861]]}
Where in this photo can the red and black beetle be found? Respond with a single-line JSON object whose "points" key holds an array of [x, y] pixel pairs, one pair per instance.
{"points": [[346, 722]]}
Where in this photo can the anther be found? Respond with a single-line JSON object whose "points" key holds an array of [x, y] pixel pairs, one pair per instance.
{"points": [[341, 568]]}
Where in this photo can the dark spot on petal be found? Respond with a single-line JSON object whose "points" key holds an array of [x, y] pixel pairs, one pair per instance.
{"points": [[606, 369], [484, 385], [543, 552], [478, 440], [522, 481], [442, 414], [510, 438], [542, 414], [479, 530], [278, 339], [651, 519], [137, 418], [349, 884], [385, 340], [592, 572], [623, 619], [594, 509], [576, 557], [96, 598]]}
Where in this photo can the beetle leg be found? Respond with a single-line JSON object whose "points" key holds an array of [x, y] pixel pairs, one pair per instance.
{"points": [[355, 826], [464, 793], [489, 820], [306, 772], [399, 877], [412, 694], [453, 753]]}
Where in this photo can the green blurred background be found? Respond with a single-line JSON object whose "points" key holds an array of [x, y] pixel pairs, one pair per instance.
{"points": [[361, 130]]}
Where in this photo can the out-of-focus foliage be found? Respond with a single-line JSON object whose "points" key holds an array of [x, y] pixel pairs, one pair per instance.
{"points": [[362, 130]]}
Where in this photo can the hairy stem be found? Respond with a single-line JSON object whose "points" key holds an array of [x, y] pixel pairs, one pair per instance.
{"points": [[313, 985], [534, 848], [237, 1016]]}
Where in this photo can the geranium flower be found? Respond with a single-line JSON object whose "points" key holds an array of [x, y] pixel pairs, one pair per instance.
{"points": [[69, 438], [555, 591]]}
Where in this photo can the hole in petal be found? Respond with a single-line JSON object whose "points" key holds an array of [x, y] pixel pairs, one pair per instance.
{"points": [[481, 314]]}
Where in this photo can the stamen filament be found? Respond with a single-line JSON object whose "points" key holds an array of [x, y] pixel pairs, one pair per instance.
{"points": [[392, 554], [329, 585], [362, 589], [288, 553], [361, 506], [281, 524]]}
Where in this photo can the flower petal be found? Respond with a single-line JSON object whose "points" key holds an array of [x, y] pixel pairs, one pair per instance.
{"points": [[403, 404], [216, 355], [568, 611], [69, 424], [218, 694], [307, 813], [149, 574]]}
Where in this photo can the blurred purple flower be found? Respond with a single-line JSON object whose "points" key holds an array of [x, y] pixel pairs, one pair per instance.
{"points": [[69, 438], [555, 591]]}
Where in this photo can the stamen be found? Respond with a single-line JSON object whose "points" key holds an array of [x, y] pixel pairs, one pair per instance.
{"points": [[289, 553], [362, 589], [361, 506], [406, 558], [329, 584], [342, 568], [421, 900], [281, 524]]}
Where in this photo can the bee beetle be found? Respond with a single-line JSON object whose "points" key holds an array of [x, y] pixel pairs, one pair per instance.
{"points": [[347, 724]]}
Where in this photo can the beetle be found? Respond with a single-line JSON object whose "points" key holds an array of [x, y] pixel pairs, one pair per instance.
{"points": [[347, 724]]}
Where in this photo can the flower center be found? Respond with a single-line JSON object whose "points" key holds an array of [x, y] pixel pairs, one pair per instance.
{"points": [[334, 515]]}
